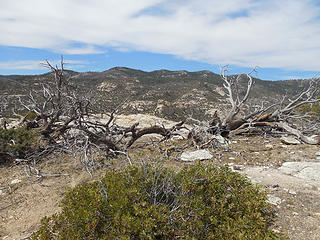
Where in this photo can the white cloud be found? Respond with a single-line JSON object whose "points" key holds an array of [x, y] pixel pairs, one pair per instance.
{"points": [[28, 65], [269, 33], [36, 65], [81, 50]]}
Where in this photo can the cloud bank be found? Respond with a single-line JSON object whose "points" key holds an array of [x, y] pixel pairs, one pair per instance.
{"points": [[268, 33], [35, 65]]}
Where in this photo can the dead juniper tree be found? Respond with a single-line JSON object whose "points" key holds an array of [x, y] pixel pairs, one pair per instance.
{"points": [[248, 116], [282, 115], [68, 119]]}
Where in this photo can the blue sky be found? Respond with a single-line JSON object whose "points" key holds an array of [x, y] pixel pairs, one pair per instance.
{"points": [[281, 37]]}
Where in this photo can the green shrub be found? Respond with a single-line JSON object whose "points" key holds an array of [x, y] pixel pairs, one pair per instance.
{"points": [[17, 142], [30, 116], [312, 109], [199, 202]]}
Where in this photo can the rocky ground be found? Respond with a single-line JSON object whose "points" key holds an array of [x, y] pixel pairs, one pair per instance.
{"points": [[297, 201], [290, 175]]}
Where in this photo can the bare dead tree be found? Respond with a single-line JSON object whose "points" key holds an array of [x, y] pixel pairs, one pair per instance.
{"points": [[281, 115], [69, 121], [231, 84]]}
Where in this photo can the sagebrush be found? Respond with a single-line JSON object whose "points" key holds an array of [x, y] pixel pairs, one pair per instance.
{"points": [[152, 202]]}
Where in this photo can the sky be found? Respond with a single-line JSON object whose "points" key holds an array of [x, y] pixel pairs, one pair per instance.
{"points": [[281, 37]]}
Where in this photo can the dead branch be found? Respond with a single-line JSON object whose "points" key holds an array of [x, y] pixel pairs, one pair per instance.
{"points": [[310, 140], [306, 96], [231, 84], [9, 205], [32, 171], [265, 118], [69, 123]]}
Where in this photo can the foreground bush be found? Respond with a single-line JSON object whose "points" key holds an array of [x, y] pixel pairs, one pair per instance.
{"points": [[199, 202]]}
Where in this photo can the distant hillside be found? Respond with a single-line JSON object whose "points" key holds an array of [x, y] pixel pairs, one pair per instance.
{"points": [[171, 94]]}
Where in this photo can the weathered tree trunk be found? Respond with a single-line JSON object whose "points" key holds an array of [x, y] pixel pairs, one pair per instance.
{"points": [[297, 133]]}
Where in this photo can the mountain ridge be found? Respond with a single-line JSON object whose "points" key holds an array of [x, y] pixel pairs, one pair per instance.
{"points": [[134, 72], [173, 92]]}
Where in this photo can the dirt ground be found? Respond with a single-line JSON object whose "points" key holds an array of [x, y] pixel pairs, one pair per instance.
{"points": [[25, 200], [23, 204]]}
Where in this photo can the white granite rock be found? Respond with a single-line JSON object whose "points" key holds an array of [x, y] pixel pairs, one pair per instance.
{"points": [[16, 181], [189, 156], [273, 199], [305, 170]]}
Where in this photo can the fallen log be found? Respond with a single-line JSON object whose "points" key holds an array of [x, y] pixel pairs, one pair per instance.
{"points": [[249, 127], [309, 140]]}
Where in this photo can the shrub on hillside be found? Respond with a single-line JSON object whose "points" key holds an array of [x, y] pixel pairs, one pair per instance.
{"points": [[312, 109], [30, 116], [198, 202], [16, 142]]}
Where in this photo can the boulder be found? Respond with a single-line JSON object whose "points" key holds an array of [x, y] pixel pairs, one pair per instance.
{"points": [[190, 156], [274, 200]]}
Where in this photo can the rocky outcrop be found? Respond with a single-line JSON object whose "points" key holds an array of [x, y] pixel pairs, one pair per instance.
{"points": [[305, 170]]}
